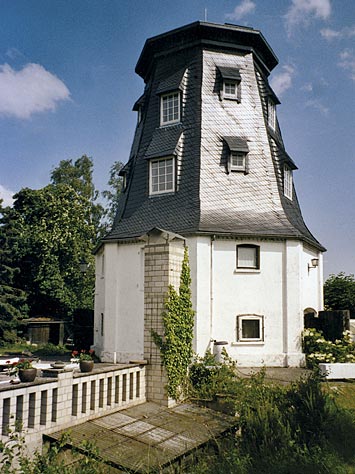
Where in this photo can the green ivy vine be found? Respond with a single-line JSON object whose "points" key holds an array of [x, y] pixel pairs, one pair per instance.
{"points": [[176, 343]]}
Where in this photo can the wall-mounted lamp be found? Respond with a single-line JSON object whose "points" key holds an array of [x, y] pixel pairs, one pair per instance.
{"points": [[314, 263]]}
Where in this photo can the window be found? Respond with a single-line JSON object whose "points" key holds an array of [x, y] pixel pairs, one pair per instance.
{"points": [[238, 151], [238, 160], [170, 108], [288, 182], [231, 90], [230, 85], [162, 175], [248, 256], [271, 114], [250, 328]]}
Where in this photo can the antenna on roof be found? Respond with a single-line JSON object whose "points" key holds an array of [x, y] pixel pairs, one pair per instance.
{"points": [[205, 14]]}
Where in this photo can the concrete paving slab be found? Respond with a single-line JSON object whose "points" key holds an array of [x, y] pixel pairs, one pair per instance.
{"points": [[149, 437]]}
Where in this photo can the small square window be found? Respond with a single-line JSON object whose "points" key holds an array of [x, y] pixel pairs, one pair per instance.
{"points": [[288, 182], [250, 328], [248, 256], [238, 160], [231, 90], [162, 175], [170, 108]]}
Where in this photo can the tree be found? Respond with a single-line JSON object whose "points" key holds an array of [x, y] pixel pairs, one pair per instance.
{"points": [[113, 195], [339, 292], [55, 233], [13, 305], [78, 175]]}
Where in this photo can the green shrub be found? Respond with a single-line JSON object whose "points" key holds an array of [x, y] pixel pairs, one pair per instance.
{"points": [[51, 349], [318, 349]]}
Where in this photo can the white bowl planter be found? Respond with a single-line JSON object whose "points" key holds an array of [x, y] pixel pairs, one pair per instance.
{"points": [[338, 370]]}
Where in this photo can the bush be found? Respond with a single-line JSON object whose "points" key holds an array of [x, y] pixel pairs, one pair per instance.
{"points": [[318, 349], [209, 377], [51, 349], [282, 430]]}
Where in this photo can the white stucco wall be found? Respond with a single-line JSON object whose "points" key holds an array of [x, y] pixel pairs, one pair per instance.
{"points": [[119, 297], [278, 291]]}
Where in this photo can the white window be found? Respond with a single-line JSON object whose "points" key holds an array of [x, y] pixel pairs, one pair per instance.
{"points": [[271, 113], [248, 256], [162, 175], [170, 108], [288, 182], [238, 160], [250, 328]]}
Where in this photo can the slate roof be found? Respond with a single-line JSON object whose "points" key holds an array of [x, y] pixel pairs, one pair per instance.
{"points": [[164, 141], [207, 200], [237, 144], [229, 73]]}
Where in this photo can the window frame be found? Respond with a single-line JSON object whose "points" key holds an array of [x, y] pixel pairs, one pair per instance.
{"points": [[237, 153], [165, 191], [237, 89], [239, 328], [271, 113], [288, 182], [256, 248], [165, 96]]}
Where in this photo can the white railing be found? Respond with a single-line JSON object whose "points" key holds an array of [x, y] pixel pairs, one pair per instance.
{"points": [[48, 405]]}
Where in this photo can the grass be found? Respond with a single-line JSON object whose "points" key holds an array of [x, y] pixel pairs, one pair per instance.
{"points": [[36, 350], [343, 392], [307, 426]]}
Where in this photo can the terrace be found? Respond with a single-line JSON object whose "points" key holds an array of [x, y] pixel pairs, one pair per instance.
{"points": [[60, 398]]}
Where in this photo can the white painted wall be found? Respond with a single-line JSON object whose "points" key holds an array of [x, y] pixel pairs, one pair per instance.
{"points": [[276, 291], [280, 292], [120, 297]]}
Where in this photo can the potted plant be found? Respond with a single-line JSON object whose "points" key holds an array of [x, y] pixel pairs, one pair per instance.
{"points": [[85, 359], [24, 369]]}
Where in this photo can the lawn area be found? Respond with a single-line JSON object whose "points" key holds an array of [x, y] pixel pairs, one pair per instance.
{"points": [[344, 393], [35, 350]]}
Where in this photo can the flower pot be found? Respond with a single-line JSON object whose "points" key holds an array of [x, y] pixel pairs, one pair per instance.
{"points": [[27, 375], [86, 365]]}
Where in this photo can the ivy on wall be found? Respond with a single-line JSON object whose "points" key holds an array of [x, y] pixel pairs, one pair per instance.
{"points": [[176, 343]]}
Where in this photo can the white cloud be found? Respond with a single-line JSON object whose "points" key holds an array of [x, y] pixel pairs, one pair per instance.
{"points": [[318, 105], [308, 87], [30, 90], [346, 32], [347, 62], [6, 196], [245, 7], [301, 12], [283, 80]]}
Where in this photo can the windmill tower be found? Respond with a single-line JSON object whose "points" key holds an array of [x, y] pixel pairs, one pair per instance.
{"points": [[208, 169]]}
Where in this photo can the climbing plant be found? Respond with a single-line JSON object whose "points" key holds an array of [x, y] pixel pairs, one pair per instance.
{"points": [[176, 344]]}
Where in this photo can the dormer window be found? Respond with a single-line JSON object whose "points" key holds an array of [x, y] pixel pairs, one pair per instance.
{"points": [[162, 175], [238, 154], [231, 83], [271, 113], [288, 182], [138, 107], [238, 159], [170, 108]]}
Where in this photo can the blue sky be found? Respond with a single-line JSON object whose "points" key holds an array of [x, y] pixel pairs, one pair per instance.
{"points": [[67, 87]]}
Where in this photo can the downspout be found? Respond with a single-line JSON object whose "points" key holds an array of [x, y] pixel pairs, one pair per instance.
{"points": [[211, 286]]}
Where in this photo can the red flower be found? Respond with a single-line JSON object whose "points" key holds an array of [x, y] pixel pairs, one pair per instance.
{"points": [[74, 353]]}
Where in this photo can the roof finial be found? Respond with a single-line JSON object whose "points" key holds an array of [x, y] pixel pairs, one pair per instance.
{"points": [[205, 14]]}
